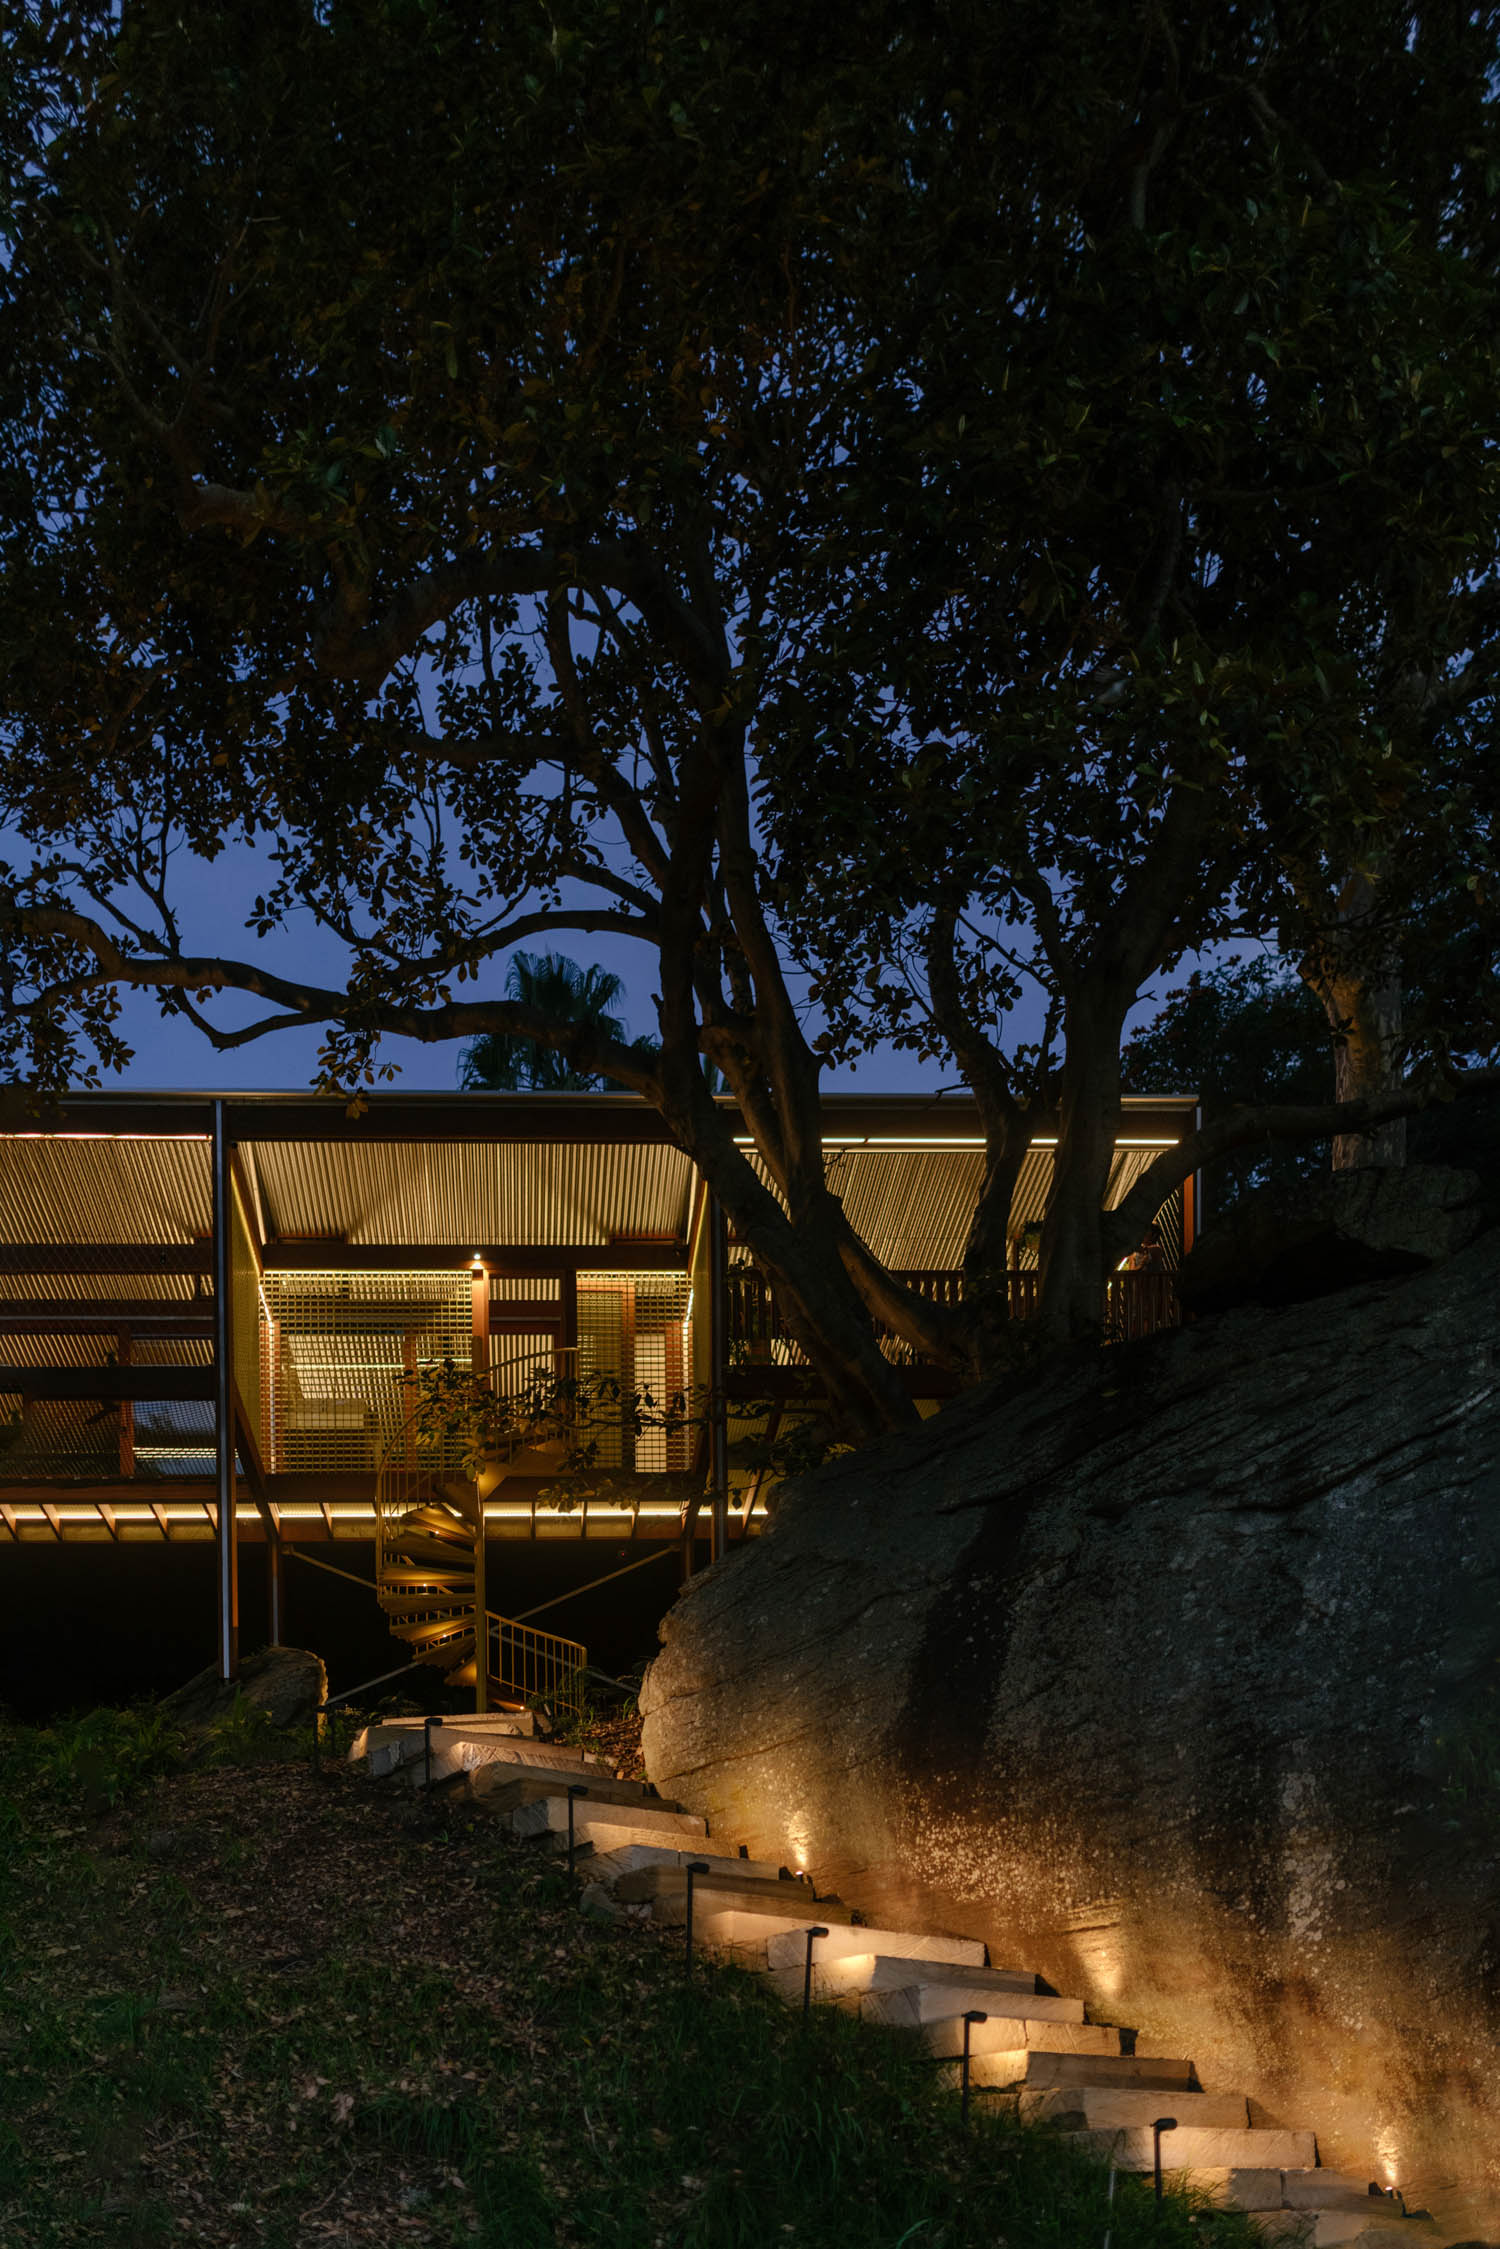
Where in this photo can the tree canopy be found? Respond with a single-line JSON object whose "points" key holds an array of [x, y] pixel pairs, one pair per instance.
{"points": [[756, 488]]}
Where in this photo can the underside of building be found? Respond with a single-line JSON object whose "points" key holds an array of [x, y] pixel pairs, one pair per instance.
{"points": [[228, 1319]]}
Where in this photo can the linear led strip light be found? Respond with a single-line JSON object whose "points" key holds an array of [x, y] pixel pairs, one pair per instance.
{"points": [[873, 1140]]}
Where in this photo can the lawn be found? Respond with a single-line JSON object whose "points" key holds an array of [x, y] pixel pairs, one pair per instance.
{"points": [[247, 2001]]}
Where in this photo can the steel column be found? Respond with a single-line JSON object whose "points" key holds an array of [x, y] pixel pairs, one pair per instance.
{"points": [[226, 1536], [718, 1377]]}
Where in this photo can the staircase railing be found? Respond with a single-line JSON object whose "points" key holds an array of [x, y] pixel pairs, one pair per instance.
{"points": [[511, 1659]]}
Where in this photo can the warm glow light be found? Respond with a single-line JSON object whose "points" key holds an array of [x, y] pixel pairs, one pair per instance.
{"points": [[848, 1141], [201, 1138]]}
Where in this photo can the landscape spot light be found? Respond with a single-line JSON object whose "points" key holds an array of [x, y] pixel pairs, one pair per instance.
{"points": [[1161, 2124], [812, 1937], [972, 2016], [694, 1868], [575, 1790]]}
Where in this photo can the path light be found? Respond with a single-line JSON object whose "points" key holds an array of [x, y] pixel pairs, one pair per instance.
{"points": [[973, 2016], [812, 1936], [576, 1790], [1162, 2124], [694, 1868]]}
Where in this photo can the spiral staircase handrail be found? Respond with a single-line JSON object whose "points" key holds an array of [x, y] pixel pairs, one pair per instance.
{"points": [[414, 1480]]}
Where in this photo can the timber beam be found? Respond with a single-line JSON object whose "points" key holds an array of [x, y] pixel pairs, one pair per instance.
{"points": [[141, 1384]]}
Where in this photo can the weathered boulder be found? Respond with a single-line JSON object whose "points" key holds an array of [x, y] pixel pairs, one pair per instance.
{"points": [[288, 1684], [1322, 1235], [1173, 1675]]}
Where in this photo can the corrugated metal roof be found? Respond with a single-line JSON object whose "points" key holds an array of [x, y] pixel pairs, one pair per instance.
{"points": [[448, 1193], [913, 1205], [86, 1190]]}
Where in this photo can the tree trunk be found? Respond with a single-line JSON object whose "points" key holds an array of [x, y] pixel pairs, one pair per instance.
{"points": [[986, 1275], [1359, 984], [1073, 1257]]}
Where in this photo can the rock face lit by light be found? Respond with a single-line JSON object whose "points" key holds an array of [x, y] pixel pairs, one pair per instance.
{"points": [[1154, 1684]]}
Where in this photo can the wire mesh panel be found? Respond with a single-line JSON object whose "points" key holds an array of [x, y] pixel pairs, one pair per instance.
{"points": [[346, 1353], [246, 1314]]}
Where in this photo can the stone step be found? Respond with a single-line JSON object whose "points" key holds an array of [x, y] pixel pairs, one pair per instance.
{"points": [[1331, 2229], [1212, 2148], [1113, 2108], [506, 1790], [1160, 2072], [934, 2007], [879, 1971], [1003, 2069], [1015, 2069], [1329, 2190], [898, 1944], [664, 1889], [608, 1866], [606, 1829], [468, 1756]]}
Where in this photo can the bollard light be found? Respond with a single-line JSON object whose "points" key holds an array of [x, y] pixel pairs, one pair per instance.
{"points": [[972, 2016], [1161, 2124], [812, 1937], [694, 1868], [576, 1790]]}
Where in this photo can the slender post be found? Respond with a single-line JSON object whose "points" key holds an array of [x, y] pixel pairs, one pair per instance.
{"points": [[974, 2015], [812, 1937], [275, 1586], [576, 1790], [1162, 2124], [226, 1538], [718, 1344], [695, 1867]]}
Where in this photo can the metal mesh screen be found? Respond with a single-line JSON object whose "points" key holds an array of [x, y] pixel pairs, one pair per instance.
{"points": [[633, 1326], [245, 1314], [345, 1350]]}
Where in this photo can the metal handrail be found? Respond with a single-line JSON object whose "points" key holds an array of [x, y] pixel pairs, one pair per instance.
{"points": [[522, 1662]]}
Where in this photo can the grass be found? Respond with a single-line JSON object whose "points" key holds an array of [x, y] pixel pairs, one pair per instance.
{"points": [[243, 2002]]}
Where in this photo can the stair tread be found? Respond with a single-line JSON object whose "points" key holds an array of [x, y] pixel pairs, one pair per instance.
{"points": [[886, 1971], [627, 1858], [1110, 2106], [650, 1882], [900, 1944], [506, 1791], [1261, 2147]]}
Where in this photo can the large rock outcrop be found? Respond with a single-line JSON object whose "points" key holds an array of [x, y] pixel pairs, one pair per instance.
{"points": [[1173, 1674]]}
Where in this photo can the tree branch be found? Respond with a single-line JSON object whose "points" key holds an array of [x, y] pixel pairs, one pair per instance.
{"points": [[1125, 1224]]}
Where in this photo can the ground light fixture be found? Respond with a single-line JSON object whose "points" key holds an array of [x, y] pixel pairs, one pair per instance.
{"points": [[575, 1790], [812, 1938], [693, 1869], [972, 2016], [1160, 2124]]}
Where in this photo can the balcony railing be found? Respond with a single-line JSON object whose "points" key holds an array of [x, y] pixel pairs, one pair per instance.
{"points": [[1135, 1304]]}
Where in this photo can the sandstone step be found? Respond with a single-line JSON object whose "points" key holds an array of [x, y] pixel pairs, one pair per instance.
{"points": [[468, 1756], [1236, 2190], [1264, 2148], [1113, 2108], [664, 1889], [1330, 2229], [505, 1789], [1003, 2069], [1159, 2072], [935, 2007], [608, 1866], [992, 2036], [903, 1944], [1328, 2190], [879, 1971], [622, 1823]]}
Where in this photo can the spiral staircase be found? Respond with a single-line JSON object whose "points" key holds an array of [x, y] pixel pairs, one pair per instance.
{"points": [[430, 1581]]}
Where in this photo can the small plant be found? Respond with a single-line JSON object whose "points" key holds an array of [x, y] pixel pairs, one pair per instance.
{"points": [[101, 1758]]}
